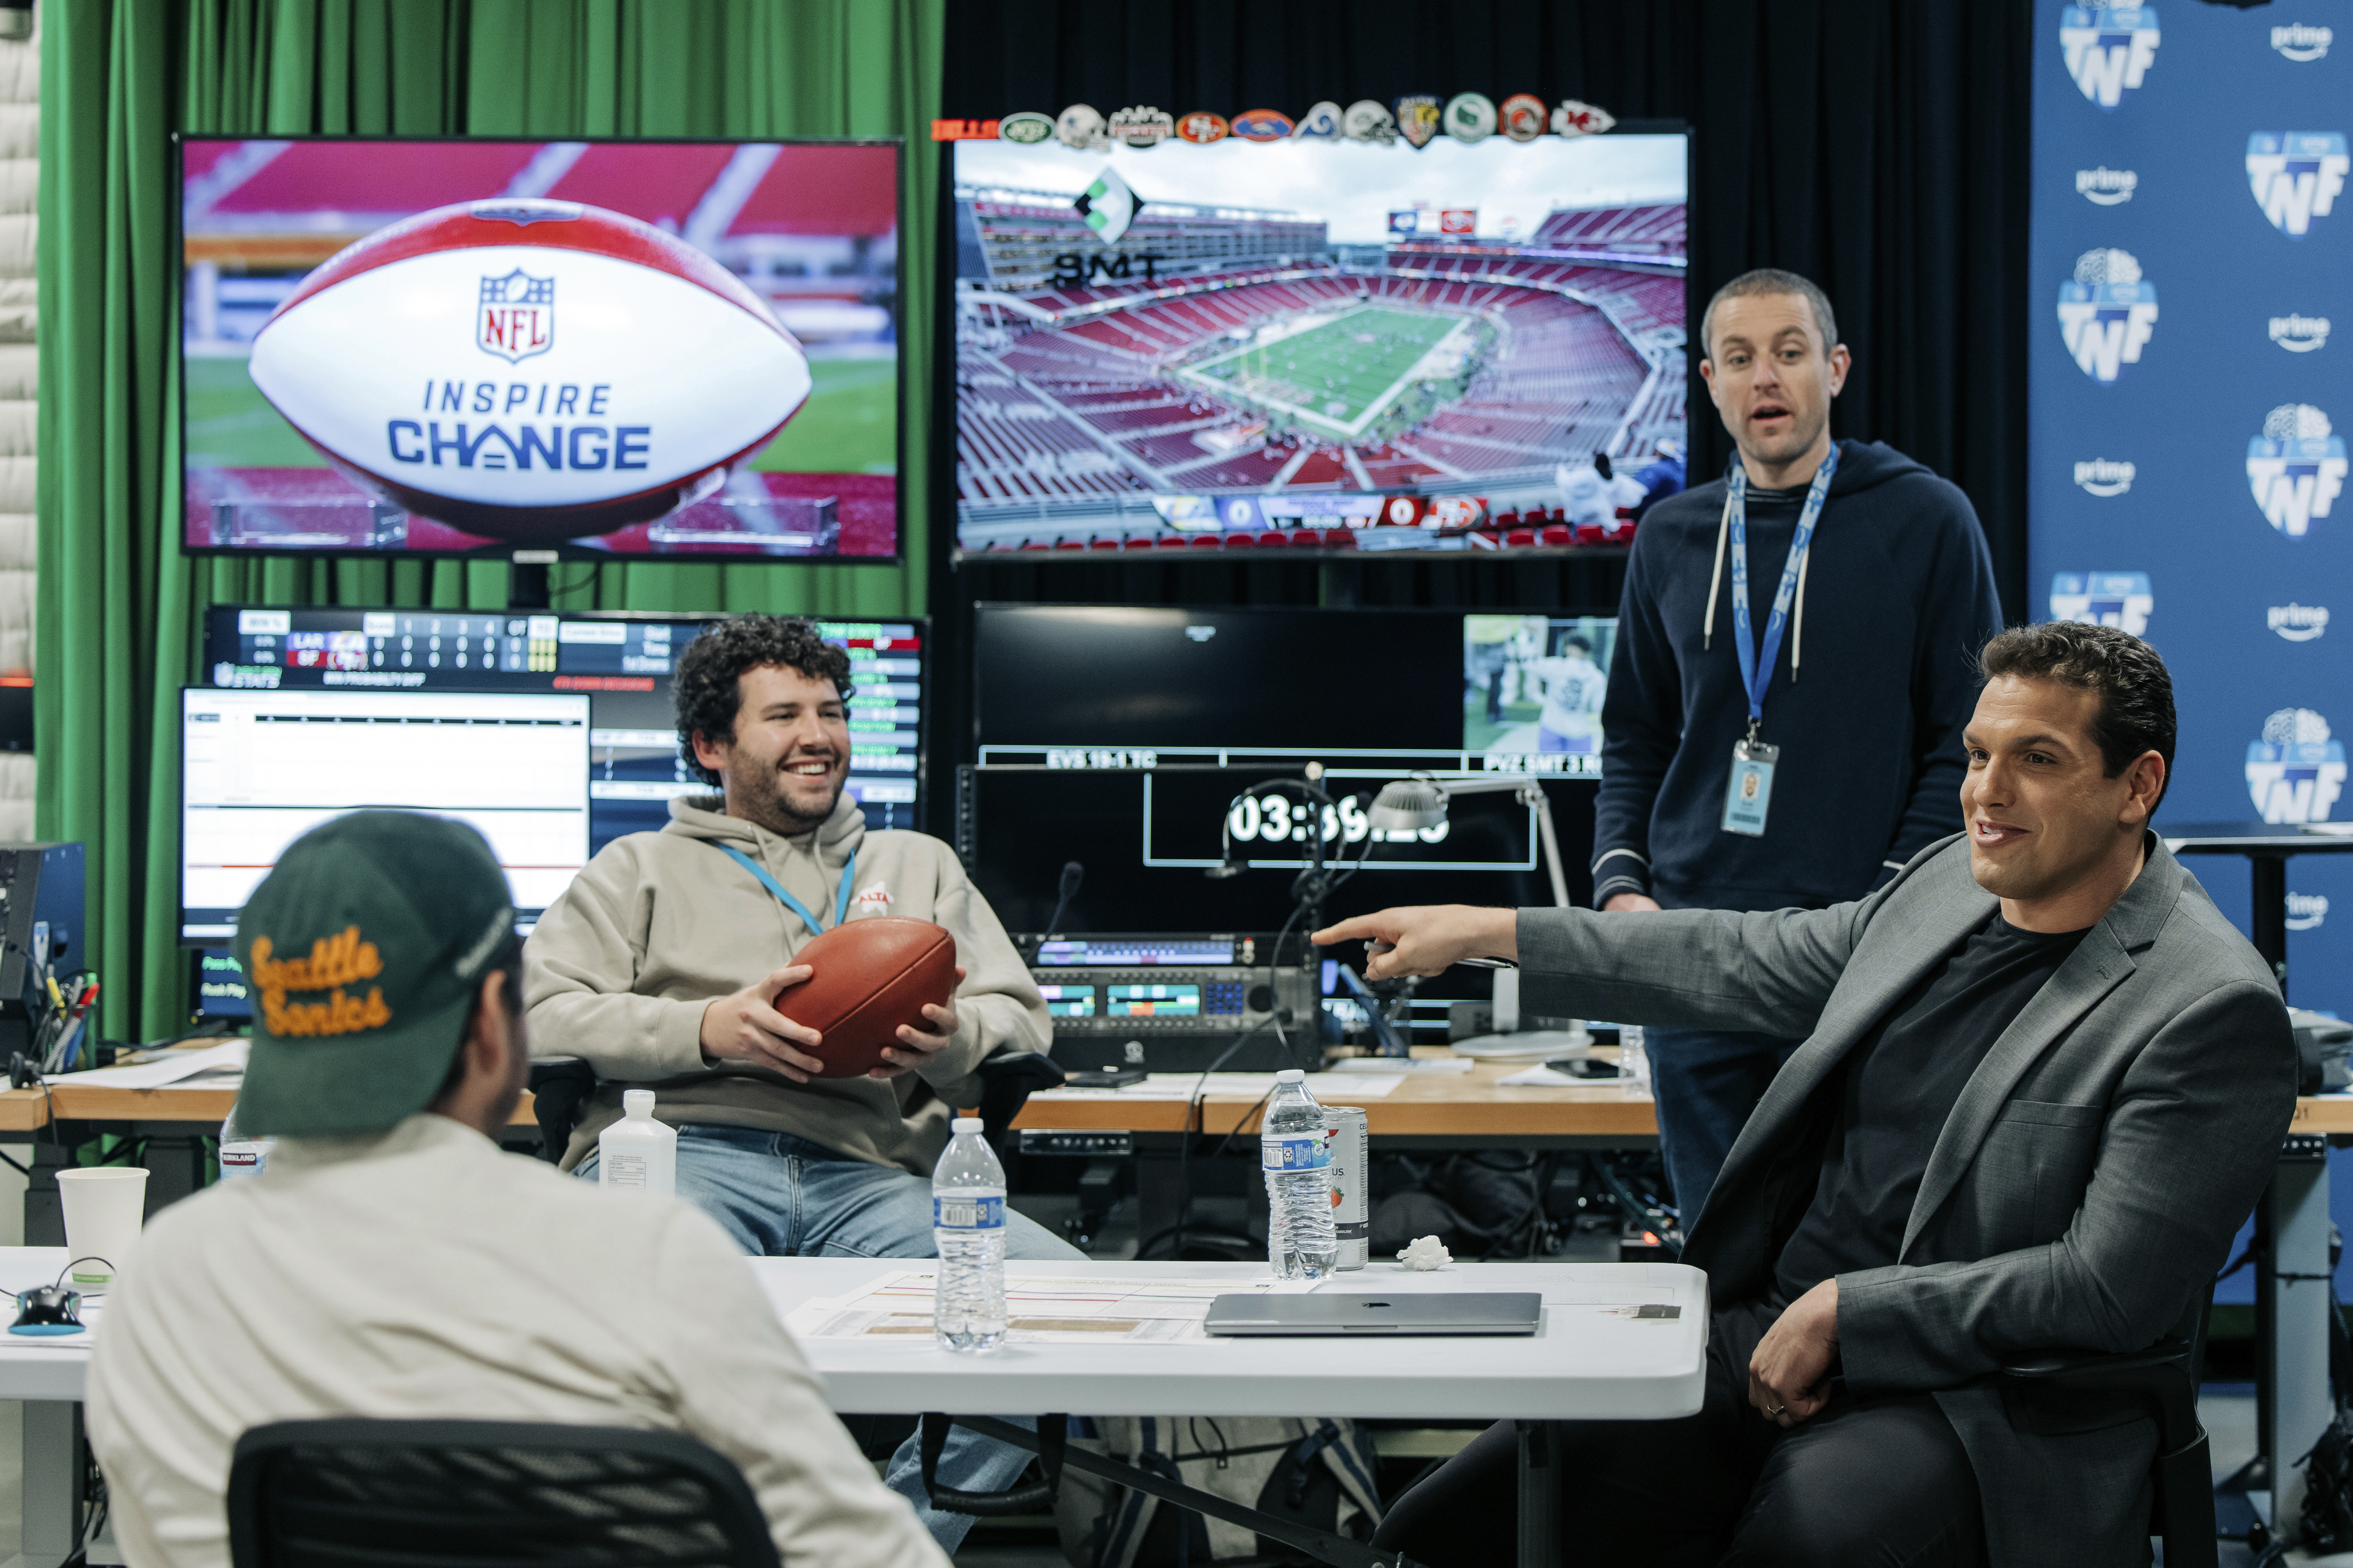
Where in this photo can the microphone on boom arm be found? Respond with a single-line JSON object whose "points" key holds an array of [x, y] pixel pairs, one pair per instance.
{"points": [[1072, 875]]}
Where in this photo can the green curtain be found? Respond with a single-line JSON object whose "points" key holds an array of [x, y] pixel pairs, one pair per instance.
{"points": [[119, 605]]}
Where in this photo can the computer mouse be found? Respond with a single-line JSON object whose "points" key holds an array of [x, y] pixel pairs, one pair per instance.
{"points": [[48, 1310]]}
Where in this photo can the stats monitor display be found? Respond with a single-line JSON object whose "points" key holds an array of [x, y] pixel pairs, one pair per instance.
{"points": [[1292, 337], [622, 663], [260, 768], [609, 349]]}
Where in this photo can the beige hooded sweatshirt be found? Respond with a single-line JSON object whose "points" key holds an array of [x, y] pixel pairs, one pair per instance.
{"points": [[620, 967]]}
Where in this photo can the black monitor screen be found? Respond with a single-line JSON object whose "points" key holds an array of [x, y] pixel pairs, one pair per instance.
{"points": [[1147, 837], [1092, 687]]}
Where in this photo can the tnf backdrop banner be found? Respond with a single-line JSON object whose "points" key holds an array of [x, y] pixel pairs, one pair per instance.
{"points": [[2191, 390]]}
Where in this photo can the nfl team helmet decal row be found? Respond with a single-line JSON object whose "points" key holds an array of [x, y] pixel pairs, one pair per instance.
{"points": [[1416, 120]]}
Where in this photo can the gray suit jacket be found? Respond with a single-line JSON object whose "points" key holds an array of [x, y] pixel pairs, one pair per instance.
{"points": [[2083, 1189]]}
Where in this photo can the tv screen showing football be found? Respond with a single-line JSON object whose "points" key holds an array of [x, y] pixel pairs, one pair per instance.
{"points": [[604, 349], [1283, 334]]}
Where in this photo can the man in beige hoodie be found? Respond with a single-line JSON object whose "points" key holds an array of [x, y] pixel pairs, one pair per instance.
{"points": [[668, 964]]}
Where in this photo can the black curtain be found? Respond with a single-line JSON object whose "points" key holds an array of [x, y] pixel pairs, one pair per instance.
{"points": [[1880, 148]]}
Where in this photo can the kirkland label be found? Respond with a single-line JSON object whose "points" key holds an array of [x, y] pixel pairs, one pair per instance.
{"points": [[1306, 1151], [967, 1213]]}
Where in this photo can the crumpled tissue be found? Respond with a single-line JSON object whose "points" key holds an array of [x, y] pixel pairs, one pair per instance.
{"points": [[1427, 1252]]}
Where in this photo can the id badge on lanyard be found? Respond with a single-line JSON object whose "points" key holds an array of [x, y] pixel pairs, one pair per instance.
{"points": [[1748, 794]]}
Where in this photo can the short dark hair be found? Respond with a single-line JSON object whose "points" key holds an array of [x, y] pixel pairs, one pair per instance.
{"points": [[706, 690], [2135, 692], [1770, 280], [508, 959]]}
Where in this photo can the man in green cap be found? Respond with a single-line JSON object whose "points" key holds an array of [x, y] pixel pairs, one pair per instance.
{"points": [[394, 1262]]}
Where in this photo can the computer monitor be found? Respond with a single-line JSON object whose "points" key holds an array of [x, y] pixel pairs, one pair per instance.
{"points": [[260, 768], [1129, 768], [220, 993], [1292, 340], [612, 349], [623, 663], [1440, 690], [1148, 836]]}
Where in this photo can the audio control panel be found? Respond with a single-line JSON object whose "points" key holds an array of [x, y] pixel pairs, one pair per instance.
{"points": [[1159, 1001]]}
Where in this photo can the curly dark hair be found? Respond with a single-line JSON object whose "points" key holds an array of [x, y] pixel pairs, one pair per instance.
{"points": [[705, 690], [2135, 691]]}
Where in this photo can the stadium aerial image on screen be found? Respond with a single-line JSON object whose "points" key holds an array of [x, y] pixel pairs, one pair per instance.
{"points": [[1308, 342], [621, 349]]}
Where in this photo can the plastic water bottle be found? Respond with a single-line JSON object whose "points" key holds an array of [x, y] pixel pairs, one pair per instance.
{"points": [[241, 1156], [1300, 1242], [1633, 1059], [968, 1227], [638, 1154]]}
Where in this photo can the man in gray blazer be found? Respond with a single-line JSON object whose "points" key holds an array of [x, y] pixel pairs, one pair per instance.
{"points": [[2043, 1082]]}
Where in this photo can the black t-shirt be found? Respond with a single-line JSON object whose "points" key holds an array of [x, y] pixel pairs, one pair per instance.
{"points": [[1900, 1086]]}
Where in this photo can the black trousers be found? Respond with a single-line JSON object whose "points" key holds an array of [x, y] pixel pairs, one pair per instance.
{"points": [[1881, 1482]]}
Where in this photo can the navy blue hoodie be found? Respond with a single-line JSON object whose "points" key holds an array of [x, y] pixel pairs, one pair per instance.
{"points": [[1899, 597]]}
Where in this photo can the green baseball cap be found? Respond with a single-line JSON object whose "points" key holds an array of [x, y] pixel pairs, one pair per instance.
{"points": [[364, 950]]}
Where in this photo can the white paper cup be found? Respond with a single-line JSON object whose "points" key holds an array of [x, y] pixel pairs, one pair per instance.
{"points": [[104, 1207]]}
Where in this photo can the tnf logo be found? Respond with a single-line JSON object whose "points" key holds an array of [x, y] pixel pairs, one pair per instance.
{"points": [[2296, 468], [2119, 599], [2296, 772], [517, 316], [2107, 312], [2297, 176], [2108, 49], [2306, 910]]}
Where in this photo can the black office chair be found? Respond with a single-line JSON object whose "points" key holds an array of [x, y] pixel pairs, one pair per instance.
{"points": [[2065, 1393], [482, 1494]]}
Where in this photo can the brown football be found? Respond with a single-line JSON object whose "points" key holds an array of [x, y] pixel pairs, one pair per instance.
{"points": [[869, 976]]}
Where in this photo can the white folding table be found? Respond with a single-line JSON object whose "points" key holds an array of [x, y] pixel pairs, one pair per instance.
{"points": [[1583, 1362]]}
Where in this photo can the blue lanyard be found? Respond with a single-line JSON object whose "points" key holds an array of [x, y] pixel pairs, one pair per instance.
{"points": [[840, 903], [1756, 675]]}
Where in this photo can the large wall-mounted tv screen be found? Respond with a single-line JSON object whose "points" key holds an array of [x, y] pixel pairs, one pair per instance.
{"points": [[1312, 340], [607, 349]]}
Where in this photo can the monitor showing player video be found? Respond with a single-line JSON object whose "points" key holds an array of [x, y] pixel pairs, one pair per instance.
{"points": [[397, 346], [1288, 340], [1532, 690]]}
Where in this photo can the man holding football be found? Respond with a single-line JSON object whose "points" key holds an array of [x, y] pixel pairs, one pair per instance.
{"points": [[668, 964]]}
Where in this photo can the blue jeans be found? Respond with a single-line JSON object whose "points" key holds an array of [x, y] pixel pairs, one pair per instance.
{"points": [[1706, 1082], [782, 1197]]}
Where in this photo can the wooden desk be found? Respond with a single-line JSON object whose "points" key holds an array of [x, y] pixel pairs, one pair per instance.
{"points": [[1473, 1106], [30, 1110], [175, 1120]]}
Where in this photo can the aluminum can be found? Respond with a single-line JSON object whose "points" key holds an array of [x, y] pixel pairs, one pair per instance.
{"points": [[1345, 1128]]}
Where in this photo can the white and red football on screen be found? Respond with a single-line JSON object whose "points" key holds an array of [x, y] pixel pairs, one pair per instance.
{"points": [[531, 371]]}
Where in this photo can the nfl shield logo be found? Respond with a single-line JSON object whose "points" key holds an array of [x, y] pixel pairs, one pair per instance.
{"points": [[517, 318]]}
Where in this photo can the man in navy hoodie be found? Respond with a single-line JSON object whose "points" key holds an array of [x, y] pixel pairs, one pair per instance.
{"points": [[1843, 687]]}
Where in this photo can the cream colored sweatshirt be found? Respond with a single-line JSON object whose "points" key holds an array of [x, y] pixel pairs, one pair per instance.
{"points": [[621, 966], [421, 1273]]}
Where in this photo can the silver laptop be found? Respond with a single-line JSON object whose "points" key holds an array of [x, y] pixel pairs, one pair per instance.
{"points": [[1448, 1313]]}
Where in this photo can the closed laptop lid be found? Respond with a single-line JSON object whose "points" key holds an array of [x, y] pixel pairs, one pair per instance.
{"points": [[1371, 1314]]}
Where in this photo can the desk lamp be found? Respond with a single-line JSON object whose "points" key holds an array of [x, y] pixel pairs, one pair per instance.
{"points": [[1419, 801]]}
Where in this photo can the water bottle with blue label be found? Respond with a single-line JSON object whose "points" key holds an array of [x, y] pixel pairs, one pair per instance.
{"points": [[1300, 1239], [968, 1227]]}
